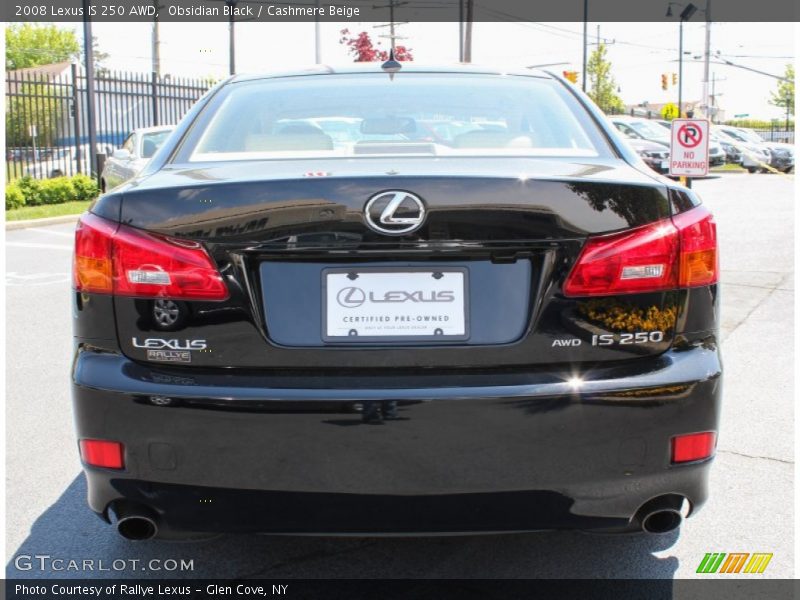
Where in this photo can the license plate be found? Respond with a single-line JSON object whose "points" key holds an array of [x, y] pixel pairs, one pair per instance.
{"points": [[402, 304], [665, 164]]}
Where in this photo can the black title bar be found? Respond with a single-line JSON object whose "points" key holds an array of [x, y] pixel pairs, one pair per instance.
{"points": [[266, 11]]}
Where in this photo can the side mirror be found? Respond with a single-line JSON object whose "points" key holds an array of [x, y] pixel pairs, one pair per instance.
{"points": [[121, 154]]}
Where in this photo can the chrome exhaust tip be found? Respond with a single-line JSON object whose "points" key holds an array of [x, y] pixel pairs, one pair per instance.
{"points": [[135, 523], [662, 521], [137, 528]]}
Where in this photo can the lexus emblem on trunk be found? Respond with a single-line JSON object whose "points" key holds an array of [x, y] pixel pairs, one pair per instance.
{"points": [[395, 212]]}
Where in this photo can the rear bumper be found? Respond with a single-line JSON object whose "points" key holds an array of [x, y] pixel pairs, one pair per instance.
{"points": [[466, 452]]}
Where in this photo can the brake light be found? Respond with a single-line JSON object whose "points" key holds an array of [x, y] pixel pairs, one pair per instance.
{"points": [[640, 260], [671, 253], [102, 453], [694, 446], [122, 260]]}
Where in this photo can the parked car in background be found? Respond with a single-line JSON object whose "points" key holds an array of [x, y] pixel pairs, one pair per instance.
{"points": [[46, 163], [755, 156], [732, 154], [647, 129], [781, 155], [514, 328], [126, 162], [656, 156]]}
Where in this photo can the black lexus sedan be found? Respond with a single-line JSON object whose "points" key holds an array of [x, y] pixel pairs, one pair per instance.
{"points": [[379, 301]]}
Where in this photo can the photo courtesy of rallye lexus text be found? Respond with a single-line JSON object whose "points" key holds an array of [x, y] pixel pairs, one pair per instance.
{"points": [[382, 300]]}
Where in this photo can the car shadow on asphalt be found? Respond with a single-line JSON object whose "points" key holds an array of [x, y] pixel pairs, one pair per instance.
{"points": [[68, 530]]}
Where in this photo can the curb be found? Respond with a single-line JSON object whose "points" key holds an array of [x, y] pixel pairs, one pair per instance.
{"points": [[10, 225]]}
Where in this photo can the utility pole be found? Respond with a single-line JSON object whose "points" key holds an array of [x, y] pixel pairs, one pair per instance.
{"points": [[680, 70], [88, 57], [461, 31], [317, 49], [156, 42], [707, 57], [231, 38], [468, 32], [392, 36], [585, 42], [714, 95]]}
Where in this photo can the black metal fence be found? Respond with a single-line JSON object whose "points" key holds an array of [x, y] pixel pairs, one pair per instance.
{"points": [[777, 133], [47, 133]]}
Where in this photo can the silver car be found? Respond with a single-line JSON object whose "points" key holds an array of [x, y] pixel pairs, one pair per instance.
{"points": [[126, 161], [755, 156]]}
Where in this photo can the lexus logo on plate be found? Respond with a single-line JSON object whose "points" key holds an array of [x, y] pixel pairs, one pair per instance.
{"points": [[395, 212], [351, 297]]}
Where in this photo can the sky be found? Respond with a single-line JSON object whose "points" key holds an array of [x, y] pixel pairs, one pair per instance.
{"points": [[639, 52]]}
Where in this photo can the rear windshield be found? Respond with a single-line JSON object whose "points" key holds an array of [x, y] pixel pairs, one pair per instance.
{"points": [[413, 114]]}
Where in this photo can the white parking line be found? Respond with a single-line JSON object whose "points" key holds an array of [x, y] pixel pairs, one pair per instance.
{"points": [[45, 246], [15, 279], [52, 232]]}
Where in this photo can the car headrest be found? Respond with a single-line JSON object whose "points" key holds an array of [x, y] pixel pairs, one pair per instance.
{"points": [[269, 142], [148, 148]]}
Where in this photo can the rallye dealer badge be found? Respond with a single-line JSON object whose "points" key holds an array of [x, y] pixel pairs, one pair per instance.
{"points": [[169, 350]]}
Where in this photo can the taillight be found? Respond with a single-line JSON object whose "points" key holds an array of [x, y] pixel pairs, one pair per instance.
{"points": [[671, 253], [639, 260], [102, 453], [121, 260], [91, 267], [693, 446], [699, 259]]}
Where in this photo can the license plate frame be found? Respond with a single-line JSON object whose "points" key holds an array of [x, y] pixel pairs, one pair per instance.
{"points": [[429, 338]]}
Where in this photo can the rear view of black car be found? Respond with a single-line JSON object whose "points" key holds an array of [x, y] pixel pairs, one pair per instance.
{"points": [[436, 301]]}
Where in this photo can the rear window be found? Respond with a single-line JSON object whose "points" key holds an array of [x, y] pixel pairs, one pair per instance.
{"points": [[372, 115], [152, 142]]}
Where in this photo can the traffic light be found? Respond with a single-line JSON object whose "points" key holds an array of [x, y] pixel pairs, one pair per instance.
{"points": [[664, 82], [674, 79], [571, 75]]}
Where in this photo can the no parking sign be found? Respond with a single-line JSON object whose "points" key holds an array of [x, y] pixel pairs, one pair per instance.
{"points": [[688, 156]]}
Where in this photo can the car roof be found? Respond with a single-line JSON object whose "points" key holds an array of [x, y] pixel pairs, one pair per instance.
{"points": [[375, 67]]}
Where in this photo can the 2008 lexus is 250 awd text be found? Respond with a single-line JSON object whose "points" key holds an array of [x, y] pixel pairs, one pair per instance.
{"points": [[380, 301]]}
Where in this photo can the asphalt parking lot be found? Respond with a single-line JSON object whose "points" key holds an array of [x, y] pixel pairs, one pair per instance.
{"points": [[752, 498]]}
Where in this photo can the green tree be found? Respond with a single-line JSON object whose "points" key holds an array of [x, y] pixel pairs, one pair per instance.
{"points": [[784, 95], [602, 87], [36, 104], [33, 44]]}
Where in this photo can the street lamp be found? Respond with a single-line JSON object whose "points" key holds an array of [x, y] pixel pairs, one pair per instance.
{"points": [[685, 15]]}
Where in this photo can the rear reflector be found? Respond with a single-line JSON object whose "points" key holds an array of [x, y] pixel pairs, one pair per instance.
{"points": [[694, 446], [121, 260], [671, 253], [101, 453]]}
